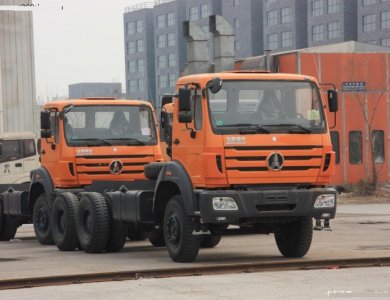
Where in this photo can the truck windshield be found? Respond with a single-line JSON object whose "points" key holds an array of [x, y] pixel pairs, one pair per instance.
{"points": [[267, 107], [105, 125]]}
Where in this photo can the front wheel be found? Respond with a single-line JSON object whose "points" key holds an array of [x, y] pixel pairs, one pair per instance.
{"points": [[182, 245], [41, 221], [294, 238]]}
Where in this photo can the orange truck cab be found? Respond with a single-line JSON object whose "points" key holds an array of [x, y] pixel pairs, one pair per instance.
{"points": [[248, 149]]}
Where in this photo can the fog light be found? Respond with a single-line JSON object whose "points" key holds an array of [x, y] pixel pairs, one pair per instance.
{"points": [[325, 201], [224, 203]]}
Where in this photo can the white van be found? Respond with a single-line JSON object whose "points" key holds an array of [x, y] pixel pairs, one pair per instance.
{"points": [[18, 156]]}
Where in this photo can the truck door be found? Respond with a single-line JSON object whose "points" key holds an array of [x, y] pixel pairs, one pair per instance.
{"points": [[30, 157], [11, 163]]}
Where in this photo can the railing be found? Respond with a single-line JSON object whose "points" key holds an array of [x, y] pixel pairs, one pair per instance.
{"points": [[139, 6]]}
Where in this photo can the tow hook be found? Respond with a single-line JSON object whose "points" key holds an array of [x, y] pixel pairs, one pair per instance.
{"points": [[325, 227]]}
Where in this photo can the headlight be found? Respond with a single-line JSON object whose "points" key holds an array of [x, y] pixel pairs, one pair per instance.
{"points": [[224, 203], [325, 201]]}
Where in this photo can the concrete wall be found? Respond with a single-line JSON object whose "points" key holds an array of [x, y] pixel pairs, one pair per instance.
{"points": [[17, 69]]}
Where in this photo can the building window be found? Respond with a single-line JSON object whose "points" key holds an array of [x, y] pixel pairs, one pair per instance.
{"points": [[286, 39], [335, 139], [235, 2], [130, 47], [161, 41], [236, 45], [171, 40], [385, 42], [286, 15], [139, 26], [317, 8], [272, 17], [378, 141], [272, 41], [172, 80], [333, 6], [204, 11], [369, 23], [162, 81], [355, 147], [333, 30], [385, 19], [194, 13], [130, 28], [132, 86], [141, 66], [132, 66], [161, 61], [141, 85], [368, 2], [236, 23], [140, 46], [171, 19], [160, 22], [171, 60], [318, 33]]}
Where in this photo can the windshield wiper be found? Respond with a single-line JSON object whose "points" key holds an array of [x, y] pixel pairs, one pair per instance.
{"points": [[130, 140], [256, 127], [305, 130], [97, 140]]}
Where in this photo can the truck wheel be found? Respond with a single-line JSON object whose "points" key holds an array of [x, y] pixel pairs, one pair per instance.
{"points": [[294, 238], [63, 221], [136, 234], [8, 225], [93, 223], [41, 221], [156, 238], [117, 231], [210, 241], [152, 170], [182, 245]]}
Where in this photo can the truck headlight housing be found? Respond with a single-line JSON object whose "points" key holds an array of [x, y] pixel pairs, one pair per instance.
{"points": [[224, 203], [325, 201]]}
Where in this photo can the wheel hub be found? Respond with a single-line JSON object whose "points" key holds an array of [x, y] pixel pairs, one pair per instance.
{"points": [[43, 219], [173, 229]]}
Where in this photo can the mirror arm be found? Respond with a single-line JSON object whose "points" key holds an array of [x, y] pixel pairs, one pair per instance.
{"points": [[334, 121]]}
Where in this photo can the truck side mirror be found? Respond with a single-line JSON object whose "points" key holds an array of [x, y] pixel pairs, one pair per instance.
{"points": [[333, 101], [167, 127], [45, 120], [185, 114], [166, 99], [214, 85], [46, 133]]}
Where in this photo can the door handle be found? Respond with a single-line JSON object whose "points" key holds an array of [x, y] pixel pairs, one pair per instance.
{"points": [[18, 165], [176, 142]]}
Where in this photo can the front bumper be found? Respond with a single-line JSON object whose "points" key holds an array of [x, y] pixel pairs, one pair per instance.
{"points": [[258, 205]]}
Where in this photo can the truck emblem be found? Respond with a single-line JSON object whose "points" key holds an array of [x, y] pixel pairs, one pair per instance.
{"points": [[116, 167], [275, 161]]}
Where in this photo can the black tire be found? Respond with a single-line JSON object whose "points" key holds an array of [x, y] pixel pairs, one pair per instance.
{"points": [[63, 221], [117, 232], [294, 238], [152, 170], [136, 234], [8, 225], [156, 238], [93, 223], [41, 221], [210, 241], [182, 245]]}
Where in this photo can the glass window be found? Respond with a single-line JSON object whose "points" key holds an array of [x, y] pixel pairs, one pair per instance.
{"points": [[272, 41], [385, 19], [140, 46], [161, 61], [378, 142], [318, 33], [171, 40], [54, 126], [333, 30], [335, 138], [172, 80], [204, 11], [286, 15], [333, 6], [198, 115], [141, 66], [141, 84], [368, 2], [385, 42], [130, 28], [171, 60], [171, 19], [286, 39], [369, 23], [317, 8], [130, 47], [139, 26], [132, 66], [161, 41], [194, 13], [11, 151], [160, 21], [133, 85], [28, 148], [355, 147], [272, 17], [162, 81]]}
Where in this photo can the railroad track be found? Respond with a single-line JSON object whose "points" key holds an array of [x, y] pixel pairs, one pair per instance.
{"points": [[194, 271]]}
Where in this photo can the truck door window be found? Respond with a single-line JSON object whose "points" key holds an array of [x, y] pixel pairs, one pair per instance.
{"points": [[11, 151], [197, 109], [54, 124], [28, 148]]}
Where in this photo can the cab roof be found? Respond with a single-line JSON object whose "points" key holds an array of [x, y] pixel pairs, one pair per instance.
{"points": [[101, 101], [22, 135]]}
